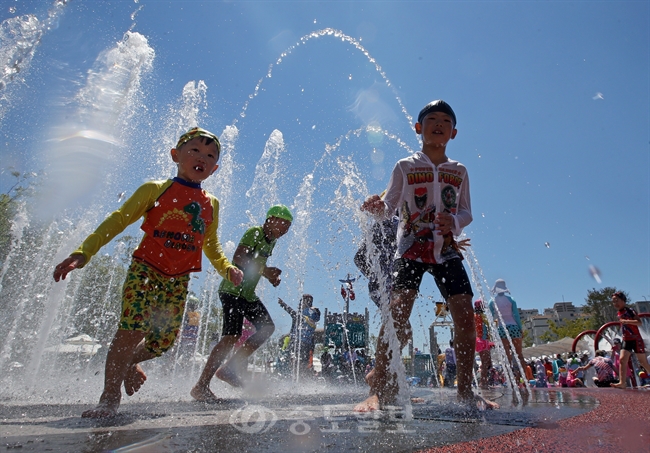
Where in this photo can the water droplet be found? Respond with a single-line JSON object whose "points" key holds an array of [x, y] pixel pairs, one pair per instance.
{"points": [[479, 156], [547, 244], [12, 9], [120, 196], [350, 77], [587, 258], [314, 20], [482, 214], [313, 127], [595, 273]]}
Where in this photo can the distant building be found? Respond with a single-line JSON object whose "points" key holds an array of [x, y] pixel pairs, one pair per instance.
{"points": [[536, 326], [642, 306], [566, 311], [525, 313]]}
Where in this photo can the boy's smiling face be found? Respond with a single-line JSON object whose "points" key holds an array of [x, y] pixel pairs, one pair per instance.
{"points": [[196, 160], [437, 128]]}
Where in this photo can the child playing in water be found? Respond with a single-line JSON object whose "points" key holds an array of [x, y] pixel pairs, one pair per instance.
{"points": [[632, 341], [483, 343], [180, 221], [239, 302], [431, 193]]}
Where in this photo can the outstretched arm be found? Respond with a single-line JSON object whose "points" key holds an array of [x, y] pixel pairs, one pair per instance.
{"points": [[287, 308], [67, 265]]}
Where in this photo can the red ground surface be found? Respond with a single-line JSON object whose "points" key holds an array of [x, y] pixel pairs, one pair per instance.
{"points": [[620, 423]]}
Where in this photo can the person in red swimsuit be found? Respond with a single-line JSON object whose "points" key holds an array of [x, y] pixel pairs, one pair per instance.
{"points": [[632, 341]]}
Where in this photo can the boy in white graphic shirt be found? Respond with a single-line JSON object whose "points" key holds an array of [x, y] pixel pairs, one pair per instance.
{"points": [[431, 194]]}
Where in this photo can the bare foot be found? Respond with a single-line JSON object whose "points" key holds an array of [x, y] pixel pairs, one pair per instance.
{"points": [[368, 405], [203, 394], [134, 379], [228, 376], [477, 402], [102, 410], [620, 385]]}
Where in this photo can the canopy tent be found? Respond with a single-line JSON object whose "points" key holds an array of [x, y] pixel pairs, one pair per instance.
{"points": [[82, 345], [555, 347]]}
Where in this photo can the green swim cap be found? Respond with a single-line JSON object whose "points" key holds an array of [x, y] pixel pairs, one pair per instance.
{"points": [[280, 211]]}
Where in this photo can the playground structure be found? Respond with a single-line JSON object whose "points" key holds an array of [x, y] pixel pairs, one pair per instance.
{"points": [[346, 330], [603, 338]]}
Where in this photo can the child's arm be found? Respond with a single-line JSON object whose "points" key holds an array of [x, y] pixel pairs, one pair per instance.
{"points": [[135, 207], [67, 265], [636, 321], [214, 252], [287, 308], [272, 274]]}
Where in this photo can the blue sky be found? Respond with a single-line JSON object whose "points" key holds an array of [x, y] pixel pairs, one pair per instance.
{"points": [[551, 98]]}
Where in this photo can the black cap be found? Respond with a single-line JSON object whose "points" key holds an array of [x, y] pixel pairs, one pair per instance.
{"points": [[437, 106]]}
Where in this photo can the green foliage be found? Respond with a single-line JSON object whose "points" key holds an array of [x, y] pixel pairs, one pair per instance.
{"points": [[567, 329], [9, 203], [527, 339], [599, 308]]}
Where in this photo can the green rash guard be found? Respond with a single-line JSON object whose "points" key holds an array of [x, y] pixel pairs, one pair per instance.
{"points": [[180, 222], [259, 252]]}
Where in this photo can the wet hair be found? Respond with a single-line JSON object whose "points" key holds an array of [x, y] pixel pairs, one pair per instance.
{"points": [[600, 353], [437, 106], [620, 295]]}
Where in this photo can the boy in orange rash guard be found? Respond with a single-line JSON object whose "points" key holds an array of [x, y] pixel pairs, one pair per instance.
{"points": [[180, 223]]}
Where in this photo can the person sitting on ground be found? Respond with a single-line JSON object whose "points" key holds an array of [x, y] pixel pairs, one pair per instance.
{"points": [[180, 223], [605, 370], [251, 255]]}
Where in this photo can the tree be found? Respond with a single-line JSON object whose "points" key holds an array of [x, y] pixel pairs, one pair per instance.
{"points": [[527, 339], [599, 308], [569, 329], [9, 203]]}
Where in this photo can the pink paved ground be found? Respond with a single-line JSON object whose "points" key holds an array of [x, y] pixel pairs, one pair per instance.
{"points": [[620, 423]]}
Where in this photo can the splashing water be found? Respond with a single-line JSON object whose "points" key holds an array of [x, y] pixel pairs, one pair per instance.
{"points": [[19, 39]]}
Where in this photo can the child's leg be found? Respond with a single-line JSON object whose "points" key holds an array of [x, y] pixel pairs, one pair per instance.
{"points": [[622, 376], [201, 390], [259, 316], [519, 344], [486, 364], [460, 307], [118, 362], [135, 375], [382, 387]]}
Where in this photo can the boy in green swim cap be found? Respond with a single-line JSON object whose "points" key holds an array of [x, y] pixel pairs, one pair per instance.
{"points": [[239, 302], [180, 225]]}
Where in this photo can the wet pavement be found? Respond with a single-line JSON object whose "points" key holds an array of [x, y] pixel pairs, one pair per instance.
{"points": [[318, 420]]}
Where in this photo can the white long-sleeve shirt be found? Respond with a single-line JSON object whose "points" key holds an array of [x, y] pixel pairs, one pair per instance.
{"points": [[418, 189]]}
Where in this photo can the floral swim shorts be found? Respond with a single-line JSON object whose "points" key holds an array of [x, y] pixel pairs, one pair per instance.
{"points": [[154, 304]]}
